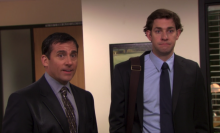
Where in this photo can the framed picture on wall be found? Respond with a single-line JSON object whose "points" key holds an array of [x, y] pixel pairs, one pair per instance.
{"points": [[123, 51]]}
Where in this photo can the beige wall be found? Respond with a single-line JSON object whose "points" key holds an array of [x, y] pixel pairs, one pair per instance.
{"points": [[113, 21], [39, 12]]}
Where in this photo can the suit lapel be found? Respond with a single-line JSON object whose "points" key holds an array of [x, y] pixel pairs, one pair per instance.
{"points": [[51, 102], [81, 111], [179, 74], [140, 90]]}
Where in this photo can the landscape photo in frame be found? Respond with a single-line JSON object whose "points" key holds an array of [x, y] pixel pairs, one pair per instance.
{"points": [[123, 51]]}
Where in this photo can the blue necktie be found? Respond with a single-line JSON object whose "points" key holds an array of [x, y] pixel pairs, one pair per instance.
{"points": [[166, 122]]}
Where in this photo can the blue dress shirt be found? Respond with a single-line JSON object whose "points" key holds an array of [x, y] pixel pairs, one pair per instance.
{"points": [[151, 91], [56, 86]]}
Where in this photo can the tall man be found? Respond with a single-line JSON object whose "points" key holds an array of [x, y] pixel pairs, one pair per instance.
{"points": [[52, 104], [171, 97]]}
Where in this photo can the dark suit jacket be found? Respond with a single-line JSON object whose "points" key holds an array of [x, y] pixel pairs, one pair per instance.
{"points": [[36, 109], [189, 99]]}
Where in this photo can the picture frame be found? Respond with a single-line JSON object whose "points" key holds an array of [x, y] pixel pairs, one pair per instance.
{"points": [[123, 51]]}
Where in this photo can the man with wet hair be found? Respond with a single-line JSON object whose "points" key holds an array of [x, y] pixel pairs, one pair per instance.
{"points": [[171, 97], [52, 104]]}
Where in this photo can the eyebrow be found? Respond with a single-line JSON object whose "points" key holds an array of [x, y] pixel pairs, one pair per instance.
{"points": [[63, 51], [161, 28], [74, 51]]}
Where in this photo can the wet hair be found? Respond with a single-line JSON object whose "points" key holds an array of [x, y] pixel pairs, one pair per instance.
{"points": [[163, 13], [55, 38]]}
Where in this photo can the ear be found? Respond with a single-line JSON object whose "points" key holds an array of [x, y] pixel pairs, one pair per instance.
{"points": [[148, 34], [178, 32], [44, 60]]}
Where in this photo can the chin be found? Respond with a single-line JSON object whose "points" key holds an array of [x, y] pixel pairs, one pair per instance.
{"points": [[166, 50], [66, 78]]}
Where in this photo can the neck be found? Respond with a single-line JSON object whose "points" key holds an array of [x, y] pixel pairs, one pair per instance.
{"points": [[63, 82], [164, 57]]}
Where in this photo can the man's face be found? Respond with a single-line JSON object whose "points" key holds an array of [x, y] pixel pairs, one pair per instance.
{"points": [[62, 63], [163, 37]]}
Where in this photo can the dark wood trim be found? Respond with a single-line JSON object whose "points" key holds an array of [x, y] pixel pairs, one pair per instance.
{"points": [[1, 85], [14, 27], [202, 40], [40, 25], [32, 54], [111, 61]]}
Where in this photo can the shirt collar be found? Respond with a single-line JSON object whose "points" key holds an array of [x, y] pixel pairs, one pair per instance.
{"points": [[55, 85], [158, 62]]}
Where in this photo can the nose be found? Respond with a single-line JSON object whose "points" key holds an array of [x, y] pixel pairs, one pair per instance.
{"points": [[69, 62], [164, 35]]}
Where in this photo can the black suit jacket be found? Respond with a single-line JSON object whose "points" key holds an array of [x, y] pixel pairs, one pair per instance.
{"points": [[189, 99], [36, 109]]}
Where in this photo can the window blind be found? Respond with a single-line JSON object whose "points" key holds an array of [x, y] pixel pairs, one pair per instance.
{"points": [[214, 61]]}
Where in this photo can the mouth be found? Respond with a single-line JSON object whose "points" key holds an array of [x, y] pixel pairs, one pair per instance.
{"points": [[67, 70], [164, 44]]}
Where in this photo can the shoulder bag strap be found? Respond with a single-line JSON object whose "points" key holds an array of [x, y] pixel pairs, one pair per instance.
{"points": [[134, 79]]}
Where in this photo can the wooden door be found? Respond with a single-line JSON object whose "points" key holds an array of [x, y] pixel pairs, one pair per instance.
{"points": [[42, 33]]}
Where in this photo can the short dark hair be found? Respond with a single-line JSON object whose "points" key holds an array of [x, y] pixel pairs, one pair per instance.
{"points": [[162, 13], [55, 38]]}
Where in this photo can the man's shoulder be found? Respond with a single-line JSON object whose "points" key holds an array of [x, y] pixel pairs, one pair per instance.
{"points": [[185, 60], [123, 64], [31, 90], [188, 65]]}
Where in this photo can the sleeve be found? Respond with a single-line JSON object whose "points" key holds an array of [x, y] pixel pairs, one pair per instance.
{"points": [[117, 108], [17, 118], [93, 125], [201, 104]]}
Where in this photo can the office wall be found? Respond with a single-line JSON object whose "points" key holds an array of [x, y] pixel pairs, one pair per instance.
{"points": [[29, 12], [122, 21]]}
